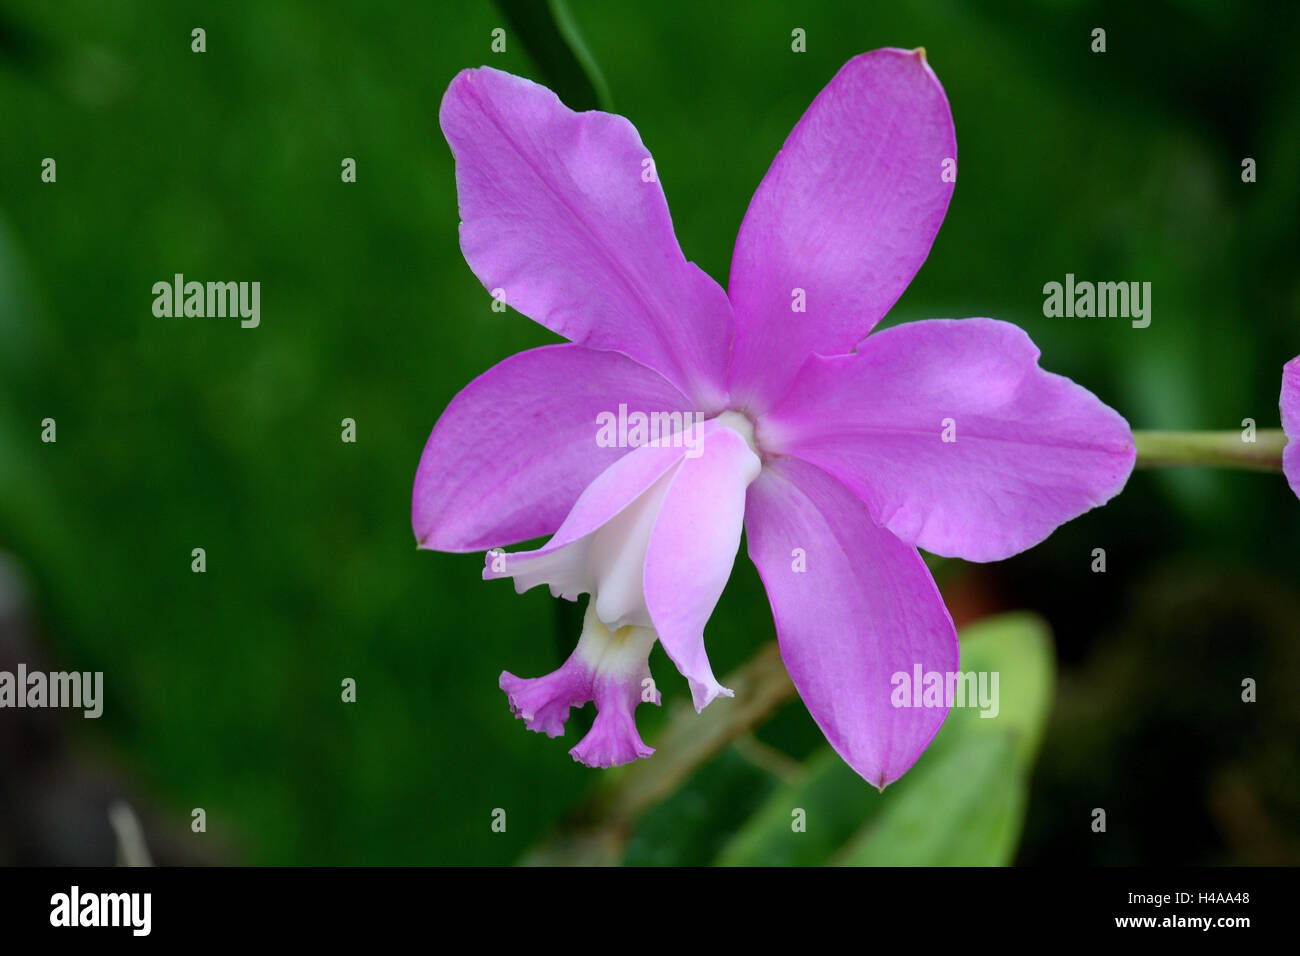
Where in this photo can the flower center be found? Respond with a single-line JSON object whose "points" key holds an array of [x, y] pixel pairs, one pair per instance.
{"points": [[742, 425]]}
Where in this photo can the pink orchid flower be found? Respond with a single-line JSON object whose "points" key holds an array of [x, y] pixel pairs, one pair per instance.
{"points": [[1290, 405], [943, 435]]}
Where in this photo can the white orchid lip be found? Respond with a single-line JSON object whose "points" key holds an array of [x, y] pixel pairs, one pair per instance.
{"points": [[634, 540], [608, 561], [615, 559]]}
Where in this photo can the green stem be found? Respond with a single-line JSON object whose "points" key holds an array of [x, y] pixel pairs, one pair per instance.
{"points": [[1210, 449]]}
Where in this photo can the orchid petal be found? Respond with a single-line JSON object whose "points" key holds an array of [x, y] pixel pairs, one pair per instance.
{"points": [[1290, 405], [692, 550], [514, 450], [954, 437], [843, 220], [563, 212], [853, 607]]}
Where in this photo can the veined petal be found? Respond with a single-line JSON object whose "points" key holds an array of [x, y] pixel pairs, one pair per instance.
{"points": [[954, 437], [692, 550], [843, 219], [564, 212], [853, 607], [1290, 405], [512, 452]]}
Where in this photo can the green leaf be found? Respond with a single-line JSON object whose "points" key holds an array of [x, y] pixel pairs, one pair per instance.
{"points": [[685, 830], [964, 801], [835, 802], [1018, 648], [965, 809], [551, 36]]}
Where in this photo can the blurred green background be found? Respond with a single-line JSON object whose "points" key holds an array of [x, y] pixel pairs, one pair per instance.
{"points": [[223, 689]]}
